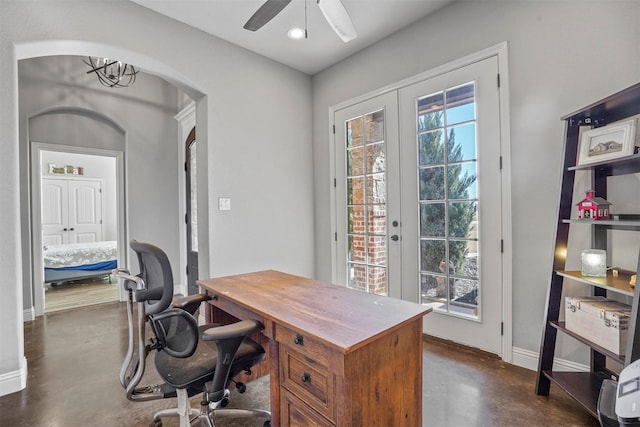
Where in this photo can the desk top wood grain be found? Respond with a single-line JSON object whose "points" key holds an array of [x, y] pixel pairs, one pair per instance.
{"points": [[342, 317]]}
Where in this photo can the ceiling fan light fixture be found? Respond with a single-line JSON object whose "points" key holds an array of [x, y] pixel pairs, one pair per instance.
{"points": [[297, 33]]}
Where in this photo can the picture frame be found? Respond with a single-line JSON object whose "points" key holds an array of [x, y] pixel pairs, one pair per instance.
{"points": [[607, 143]]}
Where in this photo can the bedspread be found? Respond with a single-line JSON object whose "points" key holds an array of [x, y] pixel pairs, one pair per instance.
{"points": [[78, 254]]}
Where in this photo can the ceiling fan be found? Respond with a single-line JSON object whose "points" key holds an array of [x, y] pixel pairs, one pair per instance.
{"points": [[333, 11]]}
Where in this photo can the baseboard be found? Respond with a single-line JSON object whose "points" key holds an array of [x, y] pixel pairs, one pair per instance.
{"points": [[12, 382], [529, 359], [28, 314]]}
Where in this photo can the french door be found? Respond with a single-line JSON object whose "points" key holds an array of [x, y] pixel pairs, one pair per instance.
{"points": [[368, 196], [420, 190], [451, 202]]}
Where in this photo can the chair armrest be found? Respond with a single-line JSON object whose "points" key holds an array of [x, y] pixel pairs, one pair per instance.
{"points": [[190, 303], [234, 330], [122, 273]]}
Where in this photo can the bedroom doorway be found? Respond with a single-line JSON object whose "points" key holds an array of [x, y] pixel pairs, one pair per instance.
{"points": [[77, 221]]}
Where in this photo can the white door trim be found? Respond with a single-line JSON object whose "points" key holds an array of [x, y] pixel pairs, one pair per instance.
{"points": [[501, 52], [186, 119], [36, 212]]}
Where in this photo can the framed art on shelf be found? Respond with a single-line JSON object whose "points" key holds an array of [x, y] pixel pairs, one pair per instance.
{"points": [[607, 143]]}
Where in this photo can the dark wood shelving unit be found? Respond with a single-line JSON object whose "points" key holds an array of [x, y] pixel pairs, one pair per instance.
{"points": [[585, 386], [562, 327]]}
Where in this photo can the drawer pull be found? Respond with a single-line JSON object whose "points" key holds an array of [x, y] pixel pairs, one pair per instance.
{"points": [[306, 378], [298, 340]]}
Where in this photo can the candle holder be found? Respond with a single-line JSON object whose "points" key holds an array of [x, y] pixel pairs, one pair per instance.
{"points": [[594, 263]]}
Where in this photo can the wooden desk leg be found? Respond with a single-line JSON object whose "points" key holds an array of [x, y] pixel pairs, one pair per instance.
{"points": [[274, 367]]}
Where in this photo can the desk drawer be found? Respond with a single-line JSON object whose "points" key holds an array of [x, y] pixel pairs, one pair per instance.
{"points": [[296, 414], [309, 346], [309, 380]]}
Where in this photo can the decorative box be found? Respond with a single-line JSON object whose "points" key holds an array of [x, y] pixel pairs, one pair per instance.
{"points": [[604, 322]]}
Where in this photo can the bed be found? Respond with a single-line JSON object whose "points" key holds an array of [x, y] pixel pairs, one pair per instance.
{"points": [[77, 261]]}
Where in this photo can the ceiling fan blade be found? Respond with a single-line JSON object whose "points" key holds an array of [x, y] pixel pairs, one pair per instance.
{"points": [[337, 16], [265, 13]]}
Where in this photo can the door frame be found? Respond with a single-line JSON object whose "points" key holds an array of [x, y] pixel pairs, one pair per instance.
{"points": [[499, 50], [186, 119], [37, 266]]}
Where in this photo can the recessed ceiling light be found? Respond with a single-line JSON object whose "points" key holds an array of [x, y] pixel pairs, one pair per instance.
{"points": [[296, 33]]}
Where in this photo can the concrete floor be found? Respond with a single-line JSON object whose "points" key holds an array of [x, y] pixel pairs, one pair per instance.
{"points": [[74, 359]]}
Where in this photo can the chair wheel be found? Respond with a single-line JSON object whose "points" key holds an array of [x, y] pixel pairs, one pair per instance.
{"points": [[241, 387], [156, 423], [224, 402], [267, 423]]}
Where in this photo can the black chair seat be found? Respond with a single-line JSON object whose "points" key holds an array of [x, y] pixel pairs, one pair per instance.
{"points": [[200, 367]]}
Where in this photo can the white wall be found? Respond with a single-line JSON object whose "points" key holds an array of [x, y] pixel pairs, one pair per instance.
{"points": [[563, 55], [254, 133]]}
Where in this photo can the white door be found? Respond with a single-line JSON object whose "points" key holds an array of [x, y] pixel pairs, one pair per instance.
{"points": [[85, 211], [55, 212], [451, 202], [71, 211], [368, 196]]}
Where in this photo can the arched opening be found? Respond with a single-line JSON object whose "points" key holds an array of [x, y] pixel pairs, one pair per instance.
{"points": [[66, 114]]}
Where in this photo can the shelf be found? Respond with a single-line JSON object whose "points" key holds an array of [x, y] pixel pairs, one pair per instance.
{"points": [[623, 163], [618, 284], [561, 327], [584, 387], [605, 222]]}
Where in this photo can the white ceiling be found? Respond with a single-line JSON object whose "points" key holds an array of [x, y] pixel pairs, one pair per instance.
{"points": [[373, 21]]}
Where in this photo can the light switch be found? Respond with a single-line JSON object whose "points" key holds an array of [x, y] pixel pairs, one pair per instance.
{"points": [[224, 204]]}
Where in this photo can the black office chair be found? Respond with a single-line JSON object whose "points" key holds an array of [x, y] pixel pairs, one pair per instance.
{"points": [[190, 359]]}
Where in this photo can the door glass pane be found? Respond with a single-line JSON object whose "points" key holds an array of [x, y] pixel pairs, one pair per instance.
{"points": [[448, 208], [193, 197], [431, 148], [366, 203]]}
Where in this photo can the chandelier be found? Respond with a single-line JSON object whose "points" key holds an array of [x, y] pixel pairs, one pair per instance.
{"points": [[112, 73]]}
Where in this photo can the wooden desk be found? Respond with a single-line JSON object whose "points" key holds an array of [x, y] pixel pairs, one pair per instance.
{"points": [[338, 357]]}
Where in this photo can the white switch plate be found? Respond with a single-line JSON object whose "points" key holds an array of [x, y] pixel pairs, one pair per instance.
{"points": [[224, 204]]}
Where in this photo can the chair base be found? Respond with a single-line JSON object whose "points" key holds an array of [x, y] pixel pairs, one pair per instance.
{"points": [[207, 414]]}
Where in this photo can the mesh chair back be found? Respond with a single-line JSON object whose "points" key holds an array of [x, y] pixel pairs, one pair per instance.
{"points": [[155, 270]]}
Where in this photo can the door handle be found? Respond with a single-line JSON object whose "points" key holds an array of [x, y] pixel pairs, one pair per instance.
{"points": [[71, 229], [65, 229], [395, 238]]}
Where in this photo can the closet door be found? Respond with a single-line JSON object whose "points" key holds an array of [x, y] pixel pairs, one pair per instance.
{"points": [[85, 211], [71, 211], [55, 212]]}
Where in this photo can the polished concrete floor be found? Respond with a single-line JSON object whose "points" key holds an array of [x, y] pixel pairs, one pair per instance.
{"points": [[74, 359]]}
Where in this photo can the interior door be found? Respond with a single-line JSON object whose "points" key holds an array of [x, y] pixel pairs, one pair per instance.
{"points": [[55, 213], [451, 202], [368, 196], [71, 211], [85, 211], [192, 212]]}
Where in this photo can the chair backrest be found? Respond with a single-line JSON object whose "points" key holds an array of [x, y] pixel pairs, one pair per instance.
{"points": [[155, 271]]}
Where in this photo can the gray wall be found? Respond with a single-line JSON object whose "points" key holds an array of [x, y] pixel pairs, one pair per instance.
{"points": [[254, 133], [62, 105], [563, 55]]}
